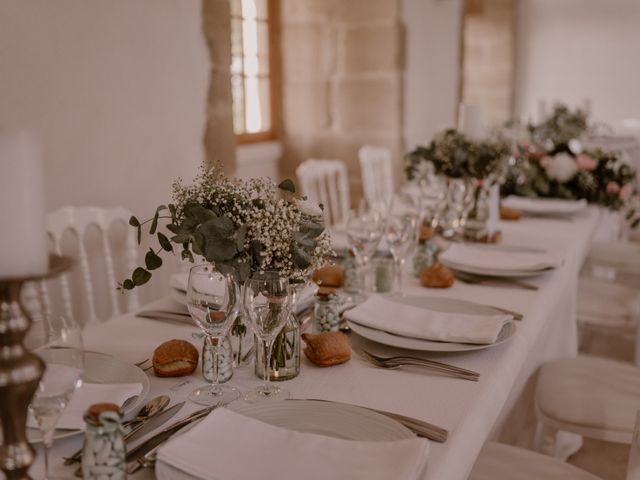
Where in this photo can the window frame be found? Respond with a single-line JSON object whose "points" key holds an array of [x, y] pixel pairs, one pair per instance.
{"points": [[273, 22]]}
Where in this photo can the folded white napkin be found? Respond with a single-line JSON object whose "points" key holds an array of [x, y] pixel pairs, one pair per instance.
{"points": [[87, 395], [485, 257], [228, 445], [384, 313], [541, 206]]}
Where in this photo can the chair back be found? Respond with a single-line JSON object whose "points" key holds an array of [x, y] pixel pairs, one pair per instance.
{"points": [[77, 221], [325, 182], [377, 174]]}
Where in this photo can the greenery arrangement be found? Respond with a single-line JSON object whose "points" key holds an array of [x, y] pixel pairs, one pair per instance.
{"points": [[455, 155], [239, 226], [551, 163]]}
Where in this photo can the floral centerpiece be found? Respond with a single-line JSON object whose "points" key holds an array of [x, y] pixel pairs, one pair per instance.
{"points": [[469, 168], [552, 163], [240, 227]]}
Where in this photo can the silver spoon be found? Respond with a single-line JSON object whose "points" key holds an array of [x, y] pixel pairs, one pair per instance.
{"points": [[150, 409]]}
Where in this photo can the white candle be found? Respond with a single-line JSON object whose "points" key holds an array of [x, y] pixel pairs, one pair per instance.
{"points": [[470, 120], [23, 242]]}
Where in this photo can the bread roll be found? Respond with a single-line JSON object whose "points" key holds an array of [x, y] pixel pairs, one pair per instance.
{"points": [[175, 358], [436, 276], [507, 213], [327, 348], [329, 276]]}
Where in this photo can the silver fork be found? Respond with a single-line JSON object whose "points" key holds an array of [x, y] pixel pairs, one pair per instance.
{"points": [[401, 361]]}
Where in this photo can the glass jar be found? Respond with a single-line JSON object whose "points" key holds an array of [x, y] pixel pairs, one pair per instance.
{"points": [[353, 275], [450, 215], [103, 454], [225, 361], [385, 273], [477, 218], [326, 312], [240, 340], [285, 356]]}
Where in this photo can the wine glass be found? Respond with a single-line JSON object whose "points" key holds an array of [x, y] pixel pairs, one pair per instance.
{"points": [[400, 236], [211, 300], [63, 356], [267, 300], [364, 231]]}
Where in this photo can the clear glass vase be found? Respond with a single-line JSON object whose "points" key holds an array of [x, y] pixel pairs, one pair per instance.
{"points": [[285, 356], [477, 217], [450, 215], [241, 340]]}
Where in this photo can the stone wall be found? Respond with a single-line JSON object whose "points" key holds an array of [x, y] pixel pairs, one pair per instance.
{"points": [[342, 63], [219, 139], [488, 58]]}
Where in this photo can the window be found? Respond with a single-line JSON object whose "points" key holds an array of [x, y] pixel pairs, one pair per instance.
{"points": [[253, 68]]}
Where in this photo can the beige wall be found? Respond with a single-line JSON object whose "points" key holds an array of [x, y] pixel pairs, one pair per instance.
{"points": [[342, 80], [570, 50], [116, 89]]}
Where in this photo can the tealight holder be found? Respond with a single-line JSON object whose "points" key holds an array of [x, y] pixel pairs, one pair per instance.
{"points": [[20, 373]]}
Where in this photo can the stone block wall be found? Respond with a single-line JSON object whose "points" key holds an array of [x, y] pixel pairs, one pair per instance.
{"points": [[219, 139], [488, 57], [342, 63]]}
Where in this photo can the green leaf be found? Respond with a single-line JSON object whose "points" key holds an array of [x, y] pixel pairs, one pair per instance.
{"points": [[154, 224], [188, 225], [140, 276], [128, 284], [164, 242], [187, 255], [198, 212], [139, 234], [172, 210], [304, 240], [181, 238], [300, 258], [241, 235], [311, 229], [152, 260], [218, 227], [227, 269], [198, 243], [173, 228], [219, 249], [256, 248], [134, 222], [287, 185]]}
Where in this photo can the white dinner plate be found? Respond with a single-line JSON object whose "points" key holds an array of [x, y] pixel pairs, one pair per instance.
{"points": [[347, 422], [547, 207], [438, 304], [103, 368]]}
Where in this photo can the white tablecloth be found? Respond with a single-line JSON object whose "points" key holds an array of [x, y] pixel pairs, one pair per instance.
{"points": [[471, 411]]}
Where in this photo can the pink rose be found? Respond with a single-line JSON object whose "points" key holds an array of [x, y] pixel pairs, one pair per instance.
{"points": [[613, 188], [585, 162], [625, 191], [546, 161]]}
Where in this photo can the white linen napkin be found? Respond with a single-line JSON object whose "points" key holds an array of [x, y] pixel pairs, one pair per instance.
{"points": [[485, 257], [386, 314], [541, 206], [228, 445], [87, 395]]}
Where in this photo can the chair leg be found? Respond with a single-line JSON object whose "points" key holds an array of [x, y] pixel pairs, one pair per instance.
{"points": [[545, 440]]}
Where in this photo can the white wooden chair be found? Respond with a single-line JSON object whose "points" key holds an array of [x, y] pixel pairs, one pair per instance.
{"points": [[377, 174], [78, 220], [589, 396], [325, 182]]}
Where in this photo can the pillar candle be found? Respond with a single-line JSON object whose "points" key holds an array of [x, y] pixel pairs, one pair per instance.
{"points": [[470, 121], [23, 241]]}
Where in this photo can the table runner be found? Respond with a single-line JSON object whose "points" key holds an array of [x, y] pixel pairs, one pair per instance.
{"points": [[470, 411]]}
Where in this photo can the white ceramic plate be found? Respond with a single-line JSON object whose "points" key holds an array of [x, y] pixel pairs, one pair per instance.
{"points": [[548, 207], [102, 368], [438, 304], [347, 422]]}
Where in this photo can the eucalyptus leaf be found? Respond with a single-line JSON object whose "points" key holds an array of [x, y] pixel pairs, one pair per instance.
{"points": [[217, 227], [256, 248], [188, 225], [140, 276], [154, 223], [311, 229], [139, 234], [304, 240], [300, 258], [219, 249], [287, 185], [187, 255], [134, 222], [181, 238], [152, 260], [198, 212], [241, 234], [172, 210], [164, 242], [173, 228], [128, 284], [198, 243]]}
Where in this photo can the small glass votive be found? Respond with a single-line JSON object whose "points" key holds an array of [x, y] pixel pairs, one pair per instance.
{"points": [[384, 270], [326, 311]]}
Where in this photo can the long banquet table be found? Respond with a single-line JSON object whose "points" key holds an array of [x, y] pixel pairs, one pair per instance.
{"points": [[472, 412]]}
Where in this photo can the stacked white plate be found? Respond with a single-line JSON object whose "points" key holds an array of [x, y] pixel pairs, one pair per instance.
{"points": [[544, 207], [499, 261]]}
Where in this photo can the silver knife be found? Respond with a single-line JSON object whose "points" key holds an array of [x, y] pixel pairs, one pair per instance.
{"points": [[148, 445], [153, 423], [419, 427]]}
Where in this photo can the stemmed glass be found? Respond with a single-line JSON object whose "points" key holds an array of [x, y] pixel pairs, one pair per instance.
{"points": [[64, 362], [365, 228], [400, 236], [211, 299], [267, 301]]}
